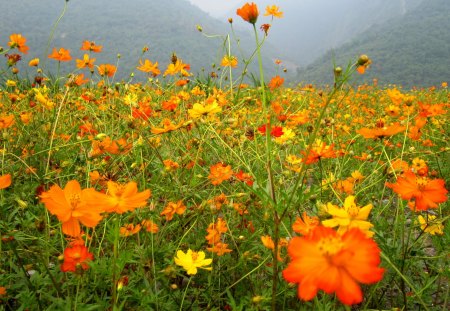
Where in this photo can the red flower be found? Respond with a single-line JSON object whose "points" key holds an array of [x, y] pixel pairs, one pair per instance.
{"points": [[75, 257], [276, 131]]}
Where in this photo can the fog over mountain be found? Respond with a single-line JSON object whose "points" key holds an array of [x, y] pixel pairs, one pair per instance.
{"points": [[309, 28]]}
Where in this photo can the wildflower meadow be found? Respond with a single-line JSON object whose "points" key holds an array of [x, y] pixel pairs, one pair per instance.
{"points": [[219, 192]]}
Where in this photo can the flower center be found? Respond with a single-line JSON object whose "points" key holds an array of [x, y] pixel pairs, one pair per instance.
{"points": [[76, 256], [353, 210], [330, 246], [421, 182], [74, 200], [194, 256]]}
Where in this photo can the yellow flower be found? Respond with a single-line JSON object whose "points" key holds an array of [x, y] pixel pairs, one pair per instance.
{"points": [[199, 110], [34, 62], [11, 83], [191, 260], [350, 216], [431, 226], [287, 135], [229, 61], [274, 11]]}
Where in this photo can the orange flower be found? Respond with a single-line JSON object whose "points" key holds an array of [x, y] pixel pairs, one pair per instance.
{"points": [[215, 230], [270, 244], [381, 131], [319, 150], [229, 61], [76, 257], [274, 11], [219, 249], [90, 46], [6, 121], [148, 67], [249, 12], [267, 242], [275, 82], [426, 193], [129, 229], [120, 198], [80, 80], [244, 177], [172, 208], [71, 208], [168, 126], [150, 226], [178, 66], [2, 290], [107, 70], [333, 263], [17, 41], [305, 225], [170, 165], [219, 173], [85, 62], [62, 55], [5, 181]]}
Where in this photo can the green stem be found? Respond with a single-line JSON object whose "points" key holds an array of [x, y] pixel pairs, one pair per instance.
{"points": [[53, 32], [184, 294], [403, 277], [114, 263]]}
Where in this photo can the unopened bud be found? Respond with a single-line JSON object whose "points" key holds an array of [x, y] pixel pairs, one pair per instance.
{"points": [[363, 59]]}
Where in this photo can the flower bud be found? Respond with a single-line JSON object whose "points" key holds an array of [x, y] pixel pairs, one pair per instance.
{"points": [[363, 59]]}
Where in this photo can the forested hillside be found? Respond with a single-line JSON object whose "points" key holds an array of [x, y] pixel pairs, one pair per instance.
{"points": [[412, 50], [123, 28]]}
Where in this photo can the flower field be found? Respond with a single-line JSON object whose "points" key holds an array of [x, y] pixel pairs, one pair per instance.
{"points": [[187, 193]]}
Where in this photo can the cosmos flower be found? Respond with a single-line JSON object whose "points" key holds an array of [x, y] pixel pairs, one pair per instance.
{"points": [[219, 173], [76, 257], [61, 55], [249, 12], [191, 260], [5, 181], [120, 198], [18, 41], [425, 192], [350, 216], [274, 11], [173, 208], [334, 263], [91, 47], [71, 208], [431, 225]]}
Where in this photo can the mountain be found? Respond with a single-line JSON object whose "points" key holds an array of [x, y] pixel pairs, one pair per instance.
{"points": [[310, 28], [122, 27], [411, 50]]}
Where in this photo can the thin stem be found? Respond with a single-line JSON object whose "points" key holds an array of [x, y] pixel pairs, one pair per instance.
{"points": [[114, 263], [184, 294], [53, 31]]}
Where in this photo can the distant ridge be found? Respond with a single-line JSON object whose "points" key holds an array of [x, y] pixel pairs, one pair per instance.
{"points": [[411, 50]]}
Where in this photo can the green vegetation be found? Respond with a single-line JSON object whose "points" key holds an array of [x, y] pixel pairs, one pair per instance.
{"points": [[412, 50]]}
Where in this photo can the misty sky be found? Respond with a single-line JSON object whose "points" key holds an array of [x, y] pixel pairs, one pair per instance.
{"points": [[216, 7]]}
